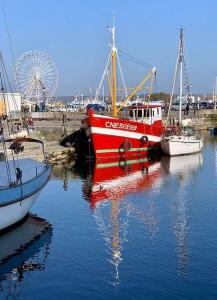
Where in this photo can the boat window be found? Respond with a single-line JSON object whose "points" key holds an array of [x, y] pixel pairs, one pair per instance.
{"points": [[146, 113], [153, 112], [158, 111], [131, 113], [140, 113]]}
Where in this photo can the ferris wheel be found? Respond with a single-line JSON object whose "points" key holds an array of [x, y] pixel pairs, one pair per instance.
{"points": [[35, 76]]}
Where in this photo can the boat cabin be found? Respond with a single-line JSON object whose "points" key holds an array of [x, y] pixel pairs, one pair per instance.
{"points": [[71, 107], [145, 113]]}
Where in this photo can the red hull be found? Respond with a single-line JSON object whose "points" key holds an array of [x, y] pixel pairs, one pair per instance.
{"points": [[112, 137]]}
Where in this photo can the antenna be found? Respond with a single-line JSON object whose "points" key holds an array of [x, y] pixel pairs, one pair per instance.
{"points": [[113, 18], [215, 89]]}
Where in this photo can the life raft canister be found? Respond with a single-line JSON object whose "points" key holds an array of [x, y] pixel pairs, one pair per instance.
{"points": [[126, 146], [144, 139]]}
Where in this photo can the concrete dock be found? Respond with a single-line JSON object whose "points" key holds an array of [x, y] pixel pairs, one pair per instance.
{"points": [[52, 127]]}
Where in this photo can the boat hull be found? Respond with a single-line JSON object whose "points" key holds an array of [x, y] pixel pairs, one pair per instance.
{"points": [[181, 145], [16, 201], [112, 137], [13, 213]]}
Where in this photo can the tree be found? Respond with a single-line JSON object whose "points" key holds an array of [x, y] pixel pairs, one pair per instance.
{"points": [[160, 96]]}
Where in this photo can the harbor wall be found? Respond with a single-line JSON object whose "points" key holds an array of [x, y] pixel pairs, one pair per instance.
{"points": [[67, 122]]}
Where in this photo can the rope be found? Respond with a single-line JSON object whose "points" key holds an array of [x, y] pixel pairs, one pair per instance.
{"points": [[8, 33], [135, 59], [4, 80]]}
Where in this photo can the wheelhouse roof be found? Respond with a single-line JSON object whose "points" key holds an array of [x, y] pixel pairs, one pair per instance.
{"points": [[144, 106]]}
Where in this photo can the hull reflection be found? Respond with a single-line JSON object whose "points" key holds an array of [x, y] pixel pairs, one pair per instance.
{"points": [[181, 165], [109, 187], [123, 192], [184, 169], [23, 250], [116, 179]]}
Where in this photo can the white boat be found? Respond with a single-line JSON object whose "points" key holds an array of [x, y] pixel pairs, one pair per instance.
{"points": [[20, 179], [20, 183], [181, 144], [178, 139]]}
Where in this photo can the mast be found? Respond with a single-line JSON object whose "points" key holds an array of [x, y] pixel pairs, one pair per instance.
{"points": [[114, 74], [181, 56], [215, 89]]}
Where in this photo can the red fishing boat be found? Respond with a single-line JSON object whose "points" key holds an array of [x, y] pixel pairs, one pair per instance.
{"points": [[133, 132], [130, 130], [116, 137]]}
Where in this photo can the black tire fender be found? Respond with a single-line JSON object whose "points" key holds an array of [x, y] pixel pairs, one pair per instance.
{"points": [[124, 166], [144, 139]]}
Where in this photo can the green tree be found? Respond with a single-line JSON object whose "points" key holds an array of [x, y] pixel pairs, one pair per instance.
{"points": [[160, 96]]}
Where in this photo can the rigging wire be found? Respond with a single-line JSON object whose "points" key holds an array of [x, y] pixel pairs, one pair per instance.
{"points": [[187, 84], [9, 87], [122, 76], [135, 59], [8, 33], [4, 83], [103, 76], [3, 139]]}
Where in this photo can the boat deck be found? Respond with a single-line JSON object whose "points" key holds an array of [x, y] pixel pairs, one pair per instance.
{"points": [[29, 168]]}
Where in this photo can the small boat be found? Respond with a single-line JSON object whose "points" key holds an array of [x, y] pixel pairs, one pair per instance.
{"points": [[130, 130], [21, 180], [179, 139]]}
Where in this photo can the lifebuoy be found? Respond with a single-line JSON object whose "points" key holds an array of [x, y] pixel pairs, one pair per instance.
{"points": [[144, 139], [126, 146]]}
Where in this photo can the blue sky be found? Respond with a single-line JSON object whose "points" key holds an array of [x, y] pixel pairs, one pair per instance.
{"points": [[74, 35]]}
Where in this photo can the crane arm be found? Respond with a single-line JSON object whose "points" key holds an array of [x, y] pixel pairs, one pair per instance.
{"points": [[147, 77]]}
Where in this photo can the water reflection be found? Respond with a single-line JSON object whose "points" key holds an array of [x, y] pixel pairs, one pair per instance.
{"points": [[110, 188], [183, 169], [123, 192], [182, 166], [23, 250]]}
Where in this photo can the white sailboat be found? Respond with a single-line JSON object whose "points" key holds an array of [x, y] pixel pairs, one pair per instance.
{"points": [[179, 139], [21, 180]]}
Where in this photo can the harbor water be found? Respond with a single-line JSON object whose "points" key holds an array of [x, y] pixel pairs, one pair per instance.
{"points": [[129, 230]]}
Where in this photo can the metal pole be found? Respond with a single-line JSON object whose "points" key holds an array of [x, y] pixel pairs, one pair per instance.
{"points": [[181, 78], [215, 91]]}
